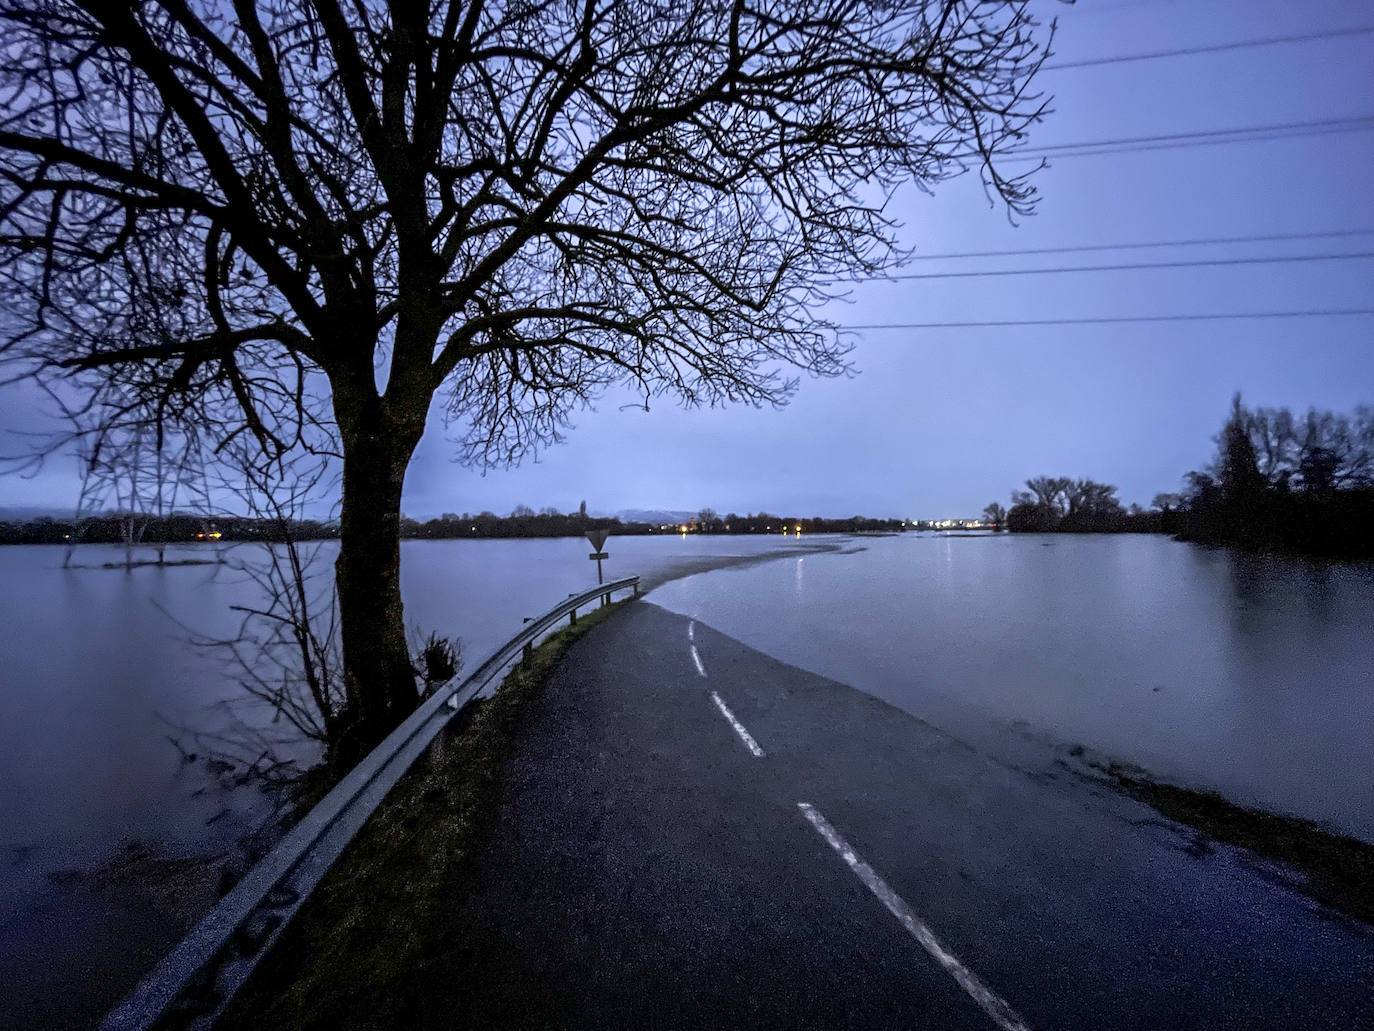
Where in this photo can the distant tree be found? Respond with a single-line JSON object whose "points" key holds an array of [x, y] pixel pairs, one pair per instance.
{"points": [[1279, 482], [1051, 493], [1041, 506], [1237, 465], [1090, 505], [522, 512], [995, 514], [305, 221], [1274, 439], [1167, 502], [1062, 503], [1027, 516]]}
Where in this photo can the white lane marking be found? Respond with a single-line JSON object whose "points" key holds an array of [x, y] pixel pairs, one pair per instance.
{"points": [[692, 630], [697, 659], [745, 736], [992, 1004]]}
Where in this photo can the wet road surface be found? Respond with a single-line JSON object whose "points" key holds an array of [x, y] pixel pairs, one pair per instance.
{"points": [[695, 835]]}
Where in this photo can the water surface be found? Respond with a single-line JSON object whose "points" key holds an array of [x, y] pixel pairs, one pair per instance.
{"points": [[97, 671], [1247, 674]]}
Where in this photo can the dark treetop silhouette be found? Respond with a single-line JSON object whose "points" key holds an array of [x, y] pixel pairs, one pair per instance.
{"points": [[1280, 482], [297, 221]]}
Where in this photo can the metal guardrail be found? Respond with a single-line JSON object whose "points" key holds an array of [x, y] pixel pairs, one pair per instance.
{"points": [[196, 980]]}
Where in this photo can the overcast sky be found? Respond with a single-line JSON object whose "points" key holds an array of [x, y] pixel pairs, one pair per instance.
{"points": [[940, 421]]}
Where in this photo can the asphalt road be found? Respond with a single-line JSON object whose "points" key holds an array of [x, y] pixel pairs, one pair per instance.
{"points": [[854, 868]]}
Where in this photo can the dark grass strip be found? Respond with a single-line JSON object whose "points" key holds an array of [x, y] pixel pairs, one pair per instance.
{"points": [[356, 955]]}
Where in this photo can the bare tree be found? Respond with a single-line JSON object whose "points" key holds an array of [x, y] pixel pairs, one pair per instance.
{"points": [[285, 652], [995, 513], [282, 218], [141, 476], [1049, 493], [1090, 500]]}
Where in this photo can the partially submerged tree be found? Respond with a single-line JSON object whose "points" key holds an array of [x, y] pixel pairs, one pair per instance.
{"points": [[140, 474], [224, 213], [1063, 503]]}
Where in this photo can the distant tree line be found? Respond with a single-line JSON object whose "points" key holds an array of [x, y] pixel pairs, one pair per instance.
{"points": [[549, 522], [522, 522], [1278, 482], [707, 521], [113, 527], [1062, 504], [180, 528], [1281, 482]]}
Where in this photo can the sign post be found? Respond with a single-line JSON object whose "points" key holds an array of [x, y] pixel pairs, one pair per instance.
{"points": [[597, 539]]}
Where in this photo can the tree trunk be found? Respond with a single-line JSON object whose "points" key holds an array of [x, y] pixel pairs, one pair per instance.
{"points": [[379, 680]]}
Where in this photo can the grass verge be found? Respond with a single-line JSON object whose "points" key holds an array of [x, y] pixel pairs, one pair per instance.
{"points": [[355, 956], [1337, 871]]}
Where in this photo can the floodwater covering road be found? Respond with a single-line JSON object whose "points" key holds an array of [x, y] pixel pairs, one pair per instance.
{"points": [[696, 835], [1244, 674]]}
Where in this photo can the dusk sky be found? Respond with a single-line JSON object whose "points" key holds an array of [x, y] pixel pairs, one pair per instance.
{"points": [[941, 421]]}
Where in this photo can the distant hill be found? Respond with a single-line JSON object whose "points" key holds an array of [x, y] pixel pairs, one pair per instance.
{"points": [[656, 516]]}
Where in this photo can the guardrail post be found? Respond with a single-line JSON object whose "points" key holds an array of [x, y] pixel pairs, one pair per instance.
{"points": [[572, 618]]}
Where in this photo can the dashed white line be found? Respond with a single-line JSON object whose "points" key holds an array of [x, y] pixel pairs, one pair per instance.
{"points": [[692, 630], [697, 659], [745, 736], [992, 1004]]}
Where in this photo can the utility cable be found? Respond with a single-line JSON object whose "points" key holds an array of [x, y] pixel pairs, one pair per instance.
{"points": [[1172, 141], [1111, 320], [1199, 242], [1128, 267], [1354, 124], [1309, 37]]}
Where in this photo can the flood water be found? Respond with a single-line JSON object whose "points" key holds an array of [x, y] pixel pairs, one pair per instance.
{"points": [[97, 672], [1251, 675]]}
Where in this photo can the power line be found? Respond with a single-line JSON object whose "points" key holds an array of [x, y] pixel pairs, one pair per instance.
{"points": [[1109, 320], [1269, 238], [1303, 128], [1309, 37], [1142, 5], [1131, 267], [1172, 141]]}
